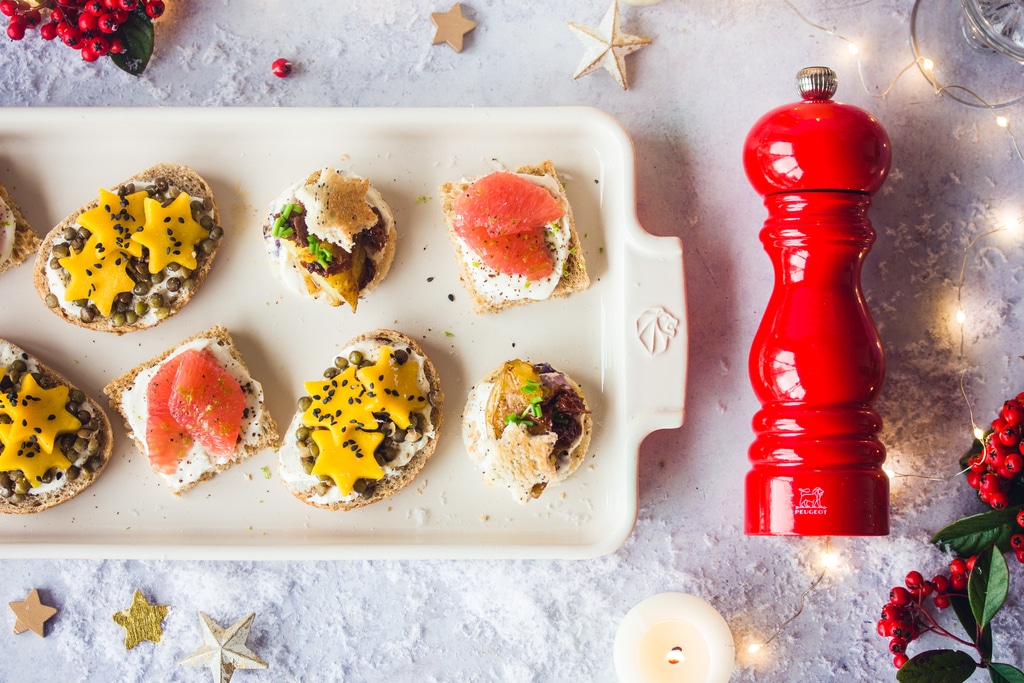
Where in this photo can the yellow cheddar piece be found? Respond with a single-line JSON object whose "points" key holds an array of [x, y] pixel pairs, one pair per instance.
{"points": [[347, 457], [36, 414], [170, 233], [115, 220], [338, 403], [32, 459], [98, 273], [393, 387]]}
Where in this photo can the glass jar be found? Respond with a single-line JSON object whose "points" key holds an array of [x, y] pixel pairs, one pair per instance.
{"points": [[996, 25]]}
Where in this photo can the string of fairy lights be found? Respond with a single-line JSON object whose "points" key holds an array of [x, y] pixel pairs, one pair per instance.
{"points": [[829, 559]]}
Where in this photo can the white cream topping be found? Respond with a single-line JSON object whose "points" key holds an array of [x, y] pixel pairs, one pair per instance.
{"points": [[7, 228], [291, 453], [497, 287], [197, 461], [281, 251]]}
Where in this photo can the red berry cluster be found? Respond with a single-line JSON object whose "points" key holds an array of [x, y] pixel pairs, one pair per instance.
{"points": [[998, 467], [904, 617], [90, 26]]}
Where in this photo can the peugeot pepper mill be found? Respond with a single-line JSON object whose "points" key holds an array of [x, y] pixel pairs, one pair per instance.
{"points": [[816, 363]]}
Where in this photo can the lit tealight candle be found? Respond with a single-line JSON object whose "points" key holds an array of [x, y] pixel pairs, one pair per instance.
{"points": [[674, 638]]}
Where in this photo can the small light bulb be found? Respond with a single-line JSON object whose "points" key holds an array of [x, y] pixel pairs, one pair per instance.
{"points": [[853, 48], [1002, 122], [829, 560], [889, 472], [978, 433], [754, 648], [927, 64], [961, 317]]}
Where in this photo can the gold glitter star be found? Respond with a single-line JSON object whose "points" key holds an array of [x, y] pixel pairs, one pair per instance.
{"points": [[31, 614], [142, 621], [451, 26], [224, 649], [606, 46]]}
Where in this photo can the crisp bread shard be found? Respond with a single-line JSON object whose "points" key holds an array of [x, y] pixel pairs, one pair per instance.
{"points": [[26, 241]]}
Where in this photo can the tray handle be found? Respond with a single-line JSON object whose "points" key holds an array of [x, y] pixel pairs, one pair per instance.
{"points": [[656, 331]]}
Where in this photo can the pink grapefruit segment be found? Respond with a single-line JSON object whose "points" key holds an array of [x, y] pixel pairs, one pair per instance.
{"points": [[166, 441], [208, 403], [502, 217]]}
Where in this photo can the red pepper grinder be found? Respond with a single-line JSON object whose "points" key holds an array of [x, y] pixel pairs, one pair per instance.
{"points": [[816, 363]]}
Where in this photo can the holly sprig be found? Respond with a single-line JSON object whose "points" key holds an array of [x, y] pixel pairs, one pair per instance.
{"points": [[983, 538], [119, 29]]}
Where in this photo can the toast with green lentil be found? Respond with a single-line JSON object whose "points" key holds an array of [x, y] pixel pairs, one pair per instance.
{"points": [[190, 441], [135, 255], [18, 240], [364, 430], [54, 439]]}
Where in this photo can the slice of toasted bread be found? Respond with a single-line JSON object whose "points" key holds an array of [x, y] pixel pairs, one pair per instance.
{"points": [[523, 462], [345, 209], [128, 394], [83, 436], [175, 284], [26, 241], [571, 276], [408, 449]]}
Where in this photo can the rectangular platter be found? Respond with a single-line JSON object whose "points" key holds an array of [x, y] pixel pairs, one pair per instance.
{"points": [[624, 339]]}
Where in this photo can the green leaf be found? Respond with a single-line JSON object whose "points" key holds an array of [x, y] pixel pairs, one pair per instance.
{"points": [[971, 535], [988, 585], [962, 607], [137, 34], [1004, 673], [938, 666]]}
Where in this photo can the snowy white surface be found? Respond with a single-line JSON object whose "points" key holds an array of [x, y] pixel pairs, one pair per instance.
{"points": [[713, 68]]}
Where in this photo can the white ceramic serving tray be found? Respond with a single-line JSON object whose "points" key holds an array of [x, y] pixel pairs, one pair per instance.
{"points": [[624, 339]]}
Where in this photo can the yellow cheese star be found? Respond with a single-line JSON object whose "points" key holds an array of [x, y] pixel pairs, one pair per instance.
{"points": [[32, 460], [170, 233], [115, 220], [37, 413], [348, 458], [393, 387], [339, 402], [98, 273], [142, 621]]}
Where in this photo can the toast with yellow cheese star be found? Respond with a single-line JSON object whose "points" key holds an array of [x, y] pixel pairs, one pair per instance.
{"points": [[54, 439], [135, 255], [366, 428]]}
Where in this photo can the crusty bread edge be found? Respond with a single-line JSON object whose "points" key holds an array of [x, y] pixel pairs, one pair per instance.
{"points": [[387, 256], [177, 175], [70, 489], [574, 276], [391, 485], [579, 452], [26, 241], [268, 427]]}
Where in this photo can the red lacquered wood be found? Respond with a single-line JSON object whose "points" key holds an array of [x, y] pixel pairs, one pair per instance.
{"points": [[816, 362]]}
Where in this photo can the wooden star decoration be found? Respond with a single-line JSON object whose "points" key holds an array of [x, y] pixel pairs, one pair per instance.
{"points": [[224, 649], [31, 614], [142, 621], [607, 46], [451, 26]]}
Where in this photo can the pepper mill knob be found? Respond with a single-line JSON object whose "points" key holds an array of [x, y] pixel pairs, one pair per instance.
{"points": [[816, 362], [817, 83]]}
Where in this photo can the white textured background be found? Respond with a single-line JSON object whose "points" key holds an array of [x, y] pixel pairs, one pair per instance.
{"points": [[712, 70]]}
